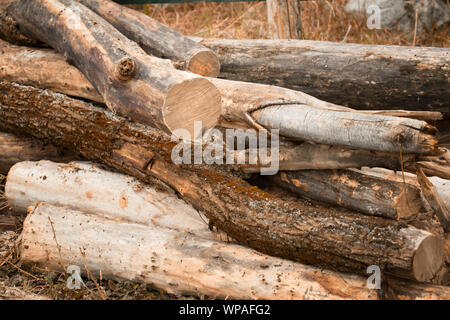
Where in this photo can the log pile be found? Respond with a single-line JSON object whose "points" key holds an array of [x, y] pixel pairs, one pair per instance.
{"points": [[120, 90]]}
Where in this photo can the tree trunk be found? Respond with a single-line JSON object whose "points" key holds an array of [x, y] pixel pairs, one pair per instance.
{"points": [[355, 191], [157, 39], [284, 17], [133, 84], [364, 77], [434, 199], [177, 262], [312, 234], [16, 149]]}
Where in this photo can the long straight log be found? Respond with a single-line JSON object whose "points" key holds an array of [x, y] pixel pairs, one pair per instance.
{"points": [[359, 76], [15, 149], [312, 234], [93, 190], [157, 39], [133, 84], [179, 263], [355, 191]]}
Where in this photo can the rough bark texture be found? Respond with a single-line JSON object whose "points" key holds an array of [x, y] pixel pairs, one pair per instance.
{"points": [[312, 234], [157, 39], [177, 262], [16, 149], [406, 290], [132, 83], [284, 19], [358, 76], [434, 199], [355, 191]]}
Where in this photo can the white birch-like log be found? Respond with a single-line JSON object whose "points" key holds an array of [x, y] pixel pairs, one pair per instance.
{"points": [[89, 188], [177, 262]]}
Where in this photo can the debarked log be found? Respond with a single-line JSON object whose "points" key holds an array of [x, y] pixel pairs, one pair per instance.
{"points": [[16, 149], [177, 262], [157, 39], [359, 76], [355, 191], [132, 83], [310, 233]]}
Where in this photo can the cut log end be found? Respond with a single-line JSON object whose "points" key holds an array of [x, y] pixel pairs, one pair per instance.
{"points": [[204, 63], [190, 101], [428, 258]]}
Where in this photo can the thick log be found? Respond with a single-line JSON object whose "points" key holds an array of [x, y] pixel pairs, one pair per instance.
{"points": [[304, 232], [355, 191], [16, 149], [359, 76], [434, 199], [81, 186], [179, 263], [132, 83], [284, 18], [45, 69], [157, 39]]}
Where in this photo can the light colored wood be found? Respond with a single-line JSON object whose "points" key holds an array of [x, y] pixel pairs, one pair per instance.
{"points": [[157, 39], [132, 83], [284, 18], [45, 69], [177, 262], [434, 199], [16, 149], [339, 239]]}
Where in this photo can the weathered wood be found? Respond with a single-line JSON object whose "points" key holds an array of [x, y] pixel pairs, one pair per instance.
{"points": [[8, 27], [284, 18], [45, 69], [407, 290], [308, 233], [434, 199], [306, 156], [132, 83], [157, 39], [355, 191], [93, 190], [16, 149], [359, 76], [179, 263]]}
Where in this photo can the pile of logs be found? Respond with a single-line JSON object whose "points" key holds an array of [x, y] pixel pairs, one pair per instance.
{"points": [[360, 185]]}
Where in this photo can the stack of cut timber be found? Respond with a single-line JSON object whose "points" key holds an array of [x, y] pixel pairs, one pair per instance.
{"points": [[101, 95]]}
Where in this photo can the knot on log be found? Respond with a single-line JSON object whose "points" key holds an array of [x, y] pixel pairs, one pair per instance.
{"points": [[125, 69]]}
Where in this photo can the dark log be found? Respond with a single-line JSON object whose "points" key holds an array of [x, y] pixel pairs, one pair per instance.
{"points": [[363, 77], [132, 83], [15, 149], [157, 39], [313, 234], [355, 191]]}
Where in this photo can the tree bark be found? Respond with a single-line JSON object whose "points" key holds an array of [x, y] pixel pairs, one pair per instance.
{"points": [[45, 69], [312, 234], [16, 149], [434, 199], [355, 191], [8, 27], [133, 84], [284, 17], [157, 39], [177, 262], [407, 290], [364, 77]]}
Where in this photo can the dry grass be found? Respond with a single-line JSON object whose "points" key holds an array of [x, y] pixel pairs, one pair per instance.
{"points": [[322, 20]]}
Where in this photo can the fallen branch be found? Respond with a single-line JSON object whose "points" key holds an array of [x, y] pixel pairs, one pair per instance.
{"points": [[157, 39]]}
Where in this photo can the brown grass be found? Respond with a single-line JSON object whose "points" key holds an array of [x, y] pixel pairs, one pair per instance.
{"points": [[322, 20]]}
